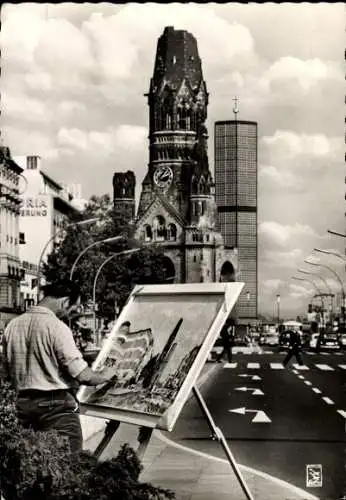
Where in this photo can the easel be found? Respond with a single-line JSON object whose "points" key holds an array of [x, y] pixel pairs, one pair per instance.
{"points": [[145, 433]]}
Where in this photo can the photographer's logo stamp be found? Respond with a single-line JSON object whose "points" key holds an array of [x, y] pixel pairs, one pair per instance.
{"points": [[314, 478]]}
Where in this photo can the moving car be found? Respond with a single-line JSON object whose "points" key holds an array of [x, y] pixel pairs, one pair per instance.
{"points": [[271, 339], [328, 340]]}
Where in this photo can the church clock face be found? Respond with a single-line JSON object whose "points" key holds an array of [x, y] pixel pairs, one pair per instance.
{"points": [[163, 176]]}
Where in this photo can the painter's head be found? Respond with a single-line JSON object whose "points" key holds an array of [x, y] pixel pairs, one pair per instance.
{"points": [[61, 297]]}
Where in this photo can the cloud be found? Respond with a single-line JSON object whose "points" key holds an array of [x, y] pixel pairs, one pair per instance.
{"points": [[280, 234], [271, 285], [300, 291], [289, 145], [273, 177], [290, 71]]}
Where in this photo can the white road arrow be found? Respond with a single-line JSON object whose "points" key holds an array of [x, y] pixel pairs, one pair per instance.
{"points": [[256, 392], [253, 377], [260, 417]]}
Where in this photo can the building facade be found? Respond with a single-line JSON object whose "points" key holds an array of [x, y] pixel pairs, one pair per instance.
{"points": [[236, 199], [45, 207], [177, 202], [10, 267]]}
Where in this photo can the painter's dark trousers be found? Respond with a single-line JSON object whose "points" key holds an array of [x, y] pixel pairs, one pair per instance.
{"points": [[51, 410]]}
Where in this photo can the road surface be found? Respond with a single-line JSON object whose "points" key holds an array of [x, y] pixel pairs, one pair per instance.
{"points": [[277, 420]]}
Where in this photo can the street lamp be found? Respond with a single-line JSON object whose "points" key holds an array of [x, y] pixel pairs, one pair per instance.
{"points": [[125, 252], [72, 224], [336, 233], [330, 252], [319, 293], [93, 244], [338, 279], [317, 276], [278, 298]]}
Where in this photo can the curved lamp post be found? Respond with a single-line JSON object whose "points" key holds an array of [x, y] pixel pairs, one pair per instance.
{"points": [[73, 224], [319, 277], [338, 279], [335, 233], [319, 293], [93, 244], [125, 252], [330, 252]]}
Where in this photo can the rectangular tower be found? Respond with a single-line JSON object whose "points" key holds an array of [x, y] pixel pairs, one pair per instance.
{"points": [[236, 200]]}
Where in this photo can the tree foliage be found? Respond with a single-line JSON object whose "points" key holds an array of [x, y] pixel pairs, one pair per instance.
{"points": [[117, 277], [40, 466]]}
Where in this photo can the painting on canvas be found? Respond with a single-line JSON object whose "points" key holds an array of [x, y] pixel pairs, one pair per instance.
{"points": [[158, 347]]}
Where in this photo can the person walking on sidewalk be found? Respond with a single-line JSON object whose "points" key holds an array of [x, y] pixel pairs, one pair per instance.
{"points": [[295, 348], [43, 363], [227, 337]]}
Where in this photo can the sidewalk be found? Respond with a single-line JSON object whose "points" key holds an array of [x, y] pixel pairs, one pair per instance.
{"points": [[192, 475]]}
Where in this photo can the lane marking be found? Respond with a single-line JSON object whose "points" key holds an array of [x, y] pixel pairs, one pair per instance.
{"points": [[277, 366], [325, 368], [316, 390], [295, 371], [280, 482], [230, 365], [325, 353], [328, 401], [307, 382], [301, 377], [343, 367], [300, 367], [253, 365], [342, 413]]}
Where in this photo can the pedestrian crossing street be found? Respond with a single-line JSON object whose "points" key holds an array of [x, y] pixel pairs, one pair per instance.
{"points": [[279, 366]]}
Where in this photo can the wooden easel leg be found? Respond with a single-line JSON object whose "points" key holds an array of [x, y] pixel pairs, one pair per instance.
{"points": [[110, 430], [218, 435], [144, 435]]}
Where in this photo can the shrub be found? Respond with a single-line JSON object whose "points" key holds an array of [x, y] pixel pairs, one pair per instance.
{"points": [[39, 465]]}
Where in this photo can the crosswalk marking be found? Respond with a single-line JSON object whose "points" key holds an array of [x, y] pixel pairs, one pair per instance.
{"points": [[307, 382], [301, 377], [316, 390], [279, 366], [325, 368], [328, 401], [342, 413], [230, 365], [253, 365]]}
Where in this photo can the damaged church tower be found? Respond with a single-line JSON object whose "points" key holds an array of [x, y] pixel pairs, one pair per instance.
{"points": [[177, 203]]}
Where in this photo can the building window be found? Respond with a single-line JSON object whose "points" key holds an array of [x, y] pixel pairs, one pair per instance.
{"points": [[148, 234], [172, 232], [159, 228], [194, 258]]}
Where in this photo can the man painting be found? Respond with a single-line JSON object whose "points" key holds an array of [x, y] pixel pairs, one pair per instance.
{"points": [[43, 362]]}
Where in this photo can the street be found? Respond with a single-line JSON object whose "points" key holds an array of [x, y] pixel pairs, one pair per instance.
{"points": [[275, 419]]}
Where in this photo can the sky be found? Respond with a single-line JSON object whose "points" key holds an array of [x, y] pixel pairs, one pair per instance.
{"points": [[73, 84]]}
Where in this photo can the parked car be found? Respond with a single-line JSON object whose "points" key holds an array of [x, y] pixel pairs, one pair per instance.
{"points": [[313, 340], [271, 339], [342, 340], [328, 341]]}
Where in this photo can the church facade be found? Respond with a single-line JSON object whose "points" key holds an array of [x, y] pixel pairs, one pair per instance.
{"points": [[177, 203]]}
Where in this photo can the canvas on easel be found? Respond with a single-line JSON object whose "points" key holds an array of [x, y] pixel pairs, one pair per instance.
{"points": [[157, 349]]}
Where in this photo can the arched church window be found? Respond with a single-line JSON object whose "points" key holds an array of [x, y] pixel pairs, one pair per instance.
{"points": [[172, 232], [148, 234], [174, 59], [178, 120], [194, 185], [168, 121], [188, 122], [159, 228], [201, 186]]}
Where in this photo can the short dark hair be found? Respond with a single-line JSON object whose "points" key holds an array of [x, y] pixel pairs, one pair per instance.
{"points": [[63, 288]]}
